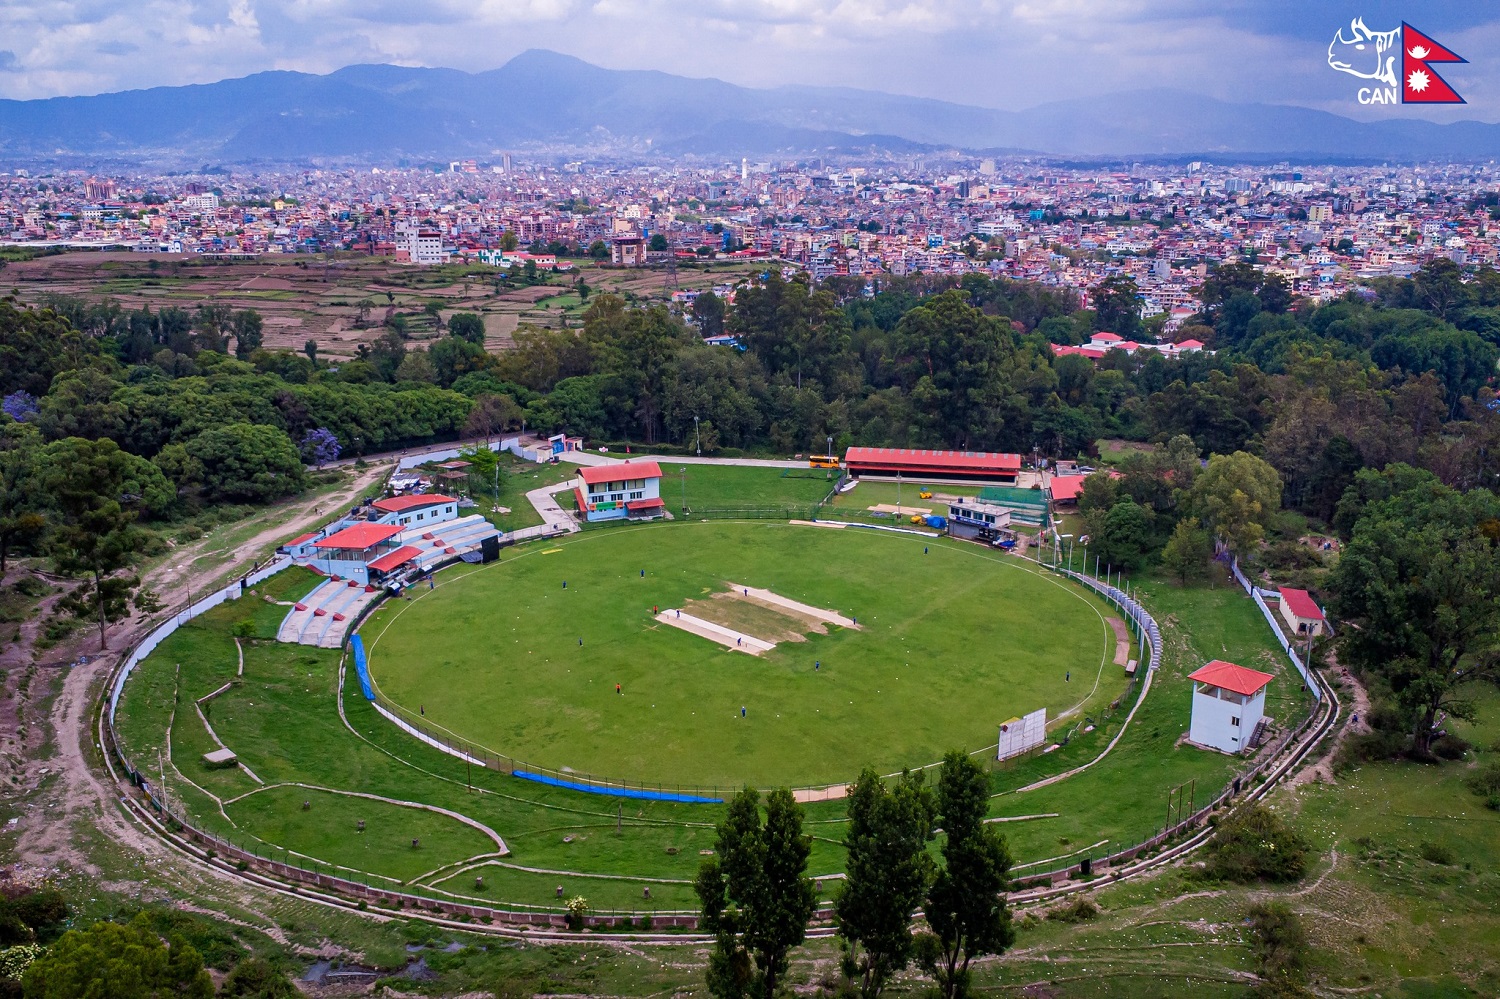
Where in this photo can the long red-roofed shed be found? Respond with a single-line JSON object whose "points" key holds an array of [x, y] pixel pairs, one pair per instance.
{"points": [[984, 465]]}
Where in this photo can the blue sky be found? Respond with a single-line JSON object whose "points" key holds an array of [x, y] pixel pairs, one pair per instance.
{"points": [[998, 53]]}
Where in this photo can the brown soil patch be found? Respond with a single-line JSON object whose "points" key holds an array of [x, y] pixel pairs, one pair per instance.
{"points": [[1122, 640], [752, 617]]}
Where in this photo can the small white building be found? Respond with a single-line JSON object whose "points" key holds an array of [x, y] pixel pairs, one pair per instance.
{"points": [[1301, 613], [420, 510], [619, 490], [1229, 701]]}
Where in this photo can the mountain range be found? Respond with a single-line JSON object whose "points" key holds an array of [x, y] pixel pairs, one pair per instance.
{"points": [[545, 101]]}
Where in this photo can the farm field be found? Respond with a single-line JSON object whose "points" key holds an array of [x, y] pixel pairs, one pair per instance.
{"points": [[340, 301], [967, 640]]}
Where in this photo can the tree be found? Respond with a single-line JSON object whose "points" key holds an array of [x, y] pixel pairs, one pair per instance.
{"points": [[658, 243], [1122, 537], [119, 961], [965, 906], [1419, 586], [22, 502], [1187, 552], [88, 482], [755, 894], [416, 367], [491, 413], [888, 872], [467, 326], [1236, 497], [598, 250], [508, 241], [1117, 306], [319, 447], [1440, 287], [248, 335], [257, 978], [708, 309], [242, 462], [310, 348]]}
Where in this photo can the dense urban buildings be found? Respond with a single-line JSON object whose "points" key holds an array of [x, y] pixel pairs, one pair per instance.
{"points": [[1323, 229]]}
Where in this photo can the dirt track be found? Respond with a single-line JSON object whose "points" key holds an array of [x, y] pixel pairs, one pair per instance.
{"points": [[80, 798]]}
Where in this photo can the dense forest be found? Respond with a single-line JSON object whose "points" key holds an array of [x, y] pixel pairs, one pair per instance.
{"points": [[169, 412]]}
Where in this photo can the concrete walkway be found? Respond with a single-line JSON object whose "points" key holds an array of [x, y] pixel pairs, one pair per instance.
{"points": [[555, 520]]}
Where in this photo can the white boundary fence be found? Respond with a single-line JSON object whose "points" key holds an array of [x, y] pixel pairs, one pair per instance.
{"points": [[1259, 596], [161, 632]]}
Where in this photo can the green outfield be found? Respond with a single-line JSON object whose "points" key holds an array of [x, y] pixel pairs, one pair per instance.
{"points": [[952, 640]]}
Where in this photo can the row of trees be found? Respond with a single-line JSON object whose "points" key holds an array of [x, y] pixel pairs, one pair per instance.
{"points": [[757, 898]]}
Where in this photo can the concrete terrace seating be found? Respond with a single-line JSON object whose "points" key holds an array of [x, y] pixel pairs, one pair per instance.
{"points": [[441, 541], [302, 612], [325, 614]]}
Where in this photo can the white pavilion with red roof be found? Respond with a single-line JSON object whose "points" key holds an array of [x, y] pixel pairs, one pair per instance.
{"points": [[1229, 703]]}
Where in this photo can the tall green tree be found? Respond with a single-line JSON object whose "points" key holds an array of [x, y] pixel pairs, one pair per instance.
{"points": [[888, 872], [1237, 496], [467, 326], [1419, 585], [118, 961], [966, 907], [22, 501], [248, 332], [90, 483], [756, 895], [1117, 306], [709, 310], [1187, 552]]}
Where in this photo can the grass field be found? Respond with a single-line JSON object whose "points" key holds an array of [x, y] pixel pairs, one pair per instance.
{"points": [[731, 487], [963, 642]]}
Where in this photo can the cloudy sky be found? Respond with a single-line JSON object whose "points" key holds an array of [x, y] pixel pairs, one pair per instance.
{"points": [[998, 53]]}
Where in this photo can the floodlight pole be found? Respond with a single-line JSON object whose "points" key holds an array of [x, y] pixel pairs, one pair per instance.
{"points": [[698, 437]]}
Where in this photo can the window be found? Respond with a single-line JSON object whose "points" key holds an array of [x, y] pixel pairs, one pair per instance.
{"points": [[638, 494], [419, 516], [1235, 721], [447, 509]]}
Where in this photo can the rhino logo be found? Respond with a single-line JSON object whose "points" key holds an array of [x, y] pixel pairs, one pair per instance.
{"points": [[1364, 52]]}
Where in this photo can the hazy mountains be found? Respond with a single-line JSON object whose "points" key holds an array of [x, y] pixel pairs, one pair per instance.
{"points": [[545, 100]]}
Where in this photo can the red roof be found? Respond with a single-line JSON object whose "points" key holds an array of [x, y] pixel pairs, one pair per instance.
{"points": [[1240, 679], [1185, 344], [619, 471], [1301, 603], [644, 504], [399, 557], [302, 538], [1062, 350], [1067, 487], [360, 536], [1106, 338], [400, 504], [911, 461]]}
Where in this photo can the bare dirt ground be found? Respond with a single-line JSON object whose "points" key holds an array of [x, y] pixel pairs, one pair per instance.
{"points": [[1356, 701], [77, 795], [1122, 640]]}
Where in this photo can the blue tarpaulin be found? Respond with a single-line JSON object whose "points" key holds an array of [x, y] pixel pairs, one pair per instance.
{"points": [[361, 668], [619, 792]]}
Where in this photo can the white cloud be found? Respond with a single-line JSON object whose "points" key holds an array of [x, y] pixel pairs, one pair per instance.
{"points": [[991, 52]]}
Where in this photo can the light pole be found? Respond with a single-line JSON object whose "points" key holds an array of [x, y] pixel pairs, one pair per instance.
{"points": [[697, 437], [682, 474], [830, 446]]}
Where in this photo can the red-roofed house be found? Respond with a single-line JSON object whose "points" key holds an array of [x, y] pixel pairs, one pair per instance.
{"points": [[348, 553], [1229, 702], [619, 490], [416, 510], [1301, 612], [1066, 489]]}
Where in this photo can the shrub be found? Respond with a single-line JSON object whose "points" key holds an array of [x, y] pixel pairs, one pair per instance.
{"points": [[257, 978], [1436, 853], [1253, 844], [1080, 910], [1279, 941], [1485, 782], [1449, 746]]}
